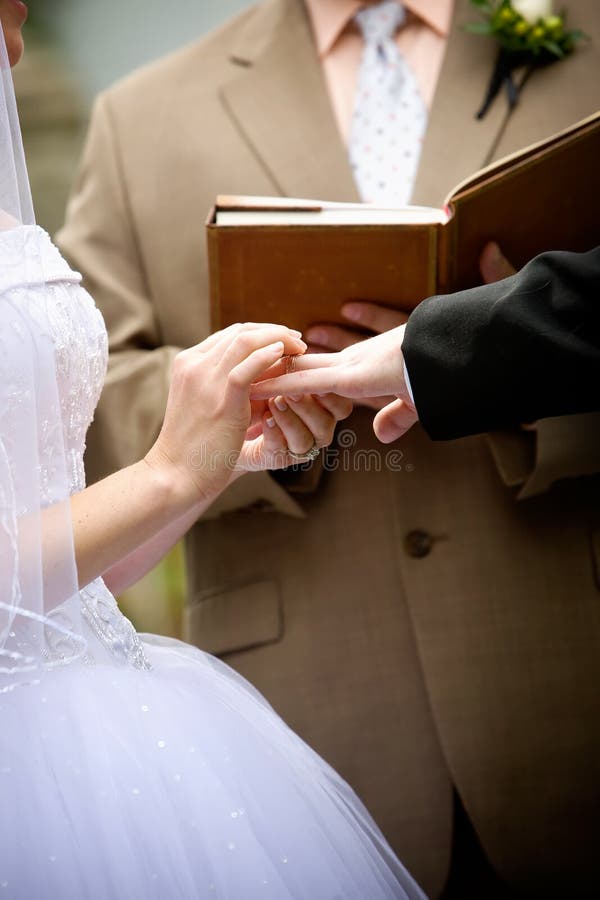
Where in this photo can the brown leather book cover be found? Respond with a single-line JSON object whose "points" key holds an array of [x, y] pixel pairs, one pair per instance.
{"points": [[546, 197], [297, 261]]}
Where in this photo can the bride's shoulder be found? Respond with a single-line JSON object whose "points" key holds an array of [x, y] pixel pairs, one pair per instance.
{"points": [[27, 256]]}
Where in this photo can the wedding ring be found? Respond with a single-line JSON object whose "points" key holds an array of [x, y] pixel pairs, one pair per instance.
{"points": [[290, 364], [309, 455]]}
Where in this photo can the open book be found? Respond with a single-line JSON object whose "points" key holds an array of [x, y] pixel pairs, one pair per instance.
{"points": [[296, 261]]}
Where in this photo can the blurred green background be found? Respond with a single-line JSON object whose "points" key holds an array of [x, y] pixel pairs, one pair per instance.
{"points": [[75, 48]]}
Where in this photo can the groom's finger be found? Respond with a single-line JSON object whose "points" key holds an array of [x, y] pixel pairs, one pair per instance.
{"points": [[312, 374], [339, 407], [241, 377], [274, 371], [292, 364], [312, 381], [393, 421]]}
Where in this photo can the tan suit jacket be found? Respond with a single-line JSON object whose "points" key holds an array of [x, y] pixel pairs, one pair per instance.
{"points": [[417, 623]]}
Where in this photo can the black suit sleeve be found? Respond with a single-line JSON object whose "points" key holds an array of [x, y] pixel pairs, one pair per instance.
{"points": [[518, 350]]}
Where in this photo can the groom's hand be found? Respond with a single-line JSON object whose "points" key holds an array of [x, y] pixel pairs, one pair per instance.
{"points": [[370, 318]]}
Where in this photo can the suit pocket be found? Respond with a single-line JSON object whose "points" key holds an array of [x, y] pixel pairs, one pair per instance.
{"points": [[246, 616]]}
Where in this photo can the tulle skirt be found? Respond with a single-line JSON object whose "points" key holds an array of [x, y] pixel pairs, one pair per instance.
{"points": [[177, 783]]}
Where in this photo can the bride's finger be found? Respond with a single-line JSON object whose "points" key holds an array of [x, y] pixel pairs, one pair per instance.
{"points": [[298, 436], [241, 376], [277, 369], [267, 449], [245, 342], [214, 340], [275, 445], [251, 457], [254, 430], [225, 334], [257, 410]]}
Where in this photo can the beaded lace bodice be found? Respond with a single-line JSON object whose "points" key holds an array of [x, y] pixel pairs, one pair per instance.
{"points": [[48, 291]]}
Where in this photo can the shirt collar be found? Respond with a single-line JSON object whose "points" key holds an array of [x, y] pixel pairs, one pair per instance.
{"points": [[435, 13], [330, 17]]}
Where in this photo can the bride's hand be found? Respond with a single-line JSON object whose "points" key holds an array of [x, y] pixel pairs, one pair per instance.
{"points": [[208, 410], [293, 424]]}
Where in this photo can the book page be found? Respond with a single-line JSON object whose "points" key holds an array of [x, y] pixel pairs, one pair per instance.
{"points": [[332, 214]]}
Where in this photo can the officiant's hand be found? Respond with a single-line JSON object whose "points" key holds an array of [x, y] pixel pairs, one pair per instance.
{"points": [[370, 318], [493, 265]]}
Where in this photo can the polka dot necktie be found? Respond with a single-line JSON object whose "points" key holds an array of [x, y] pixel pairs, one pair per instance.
{"points": [[390, 117]]}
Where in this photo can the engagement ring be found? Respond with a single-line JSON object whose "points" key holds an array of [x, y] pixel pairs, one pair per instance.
{"points": [[309, 455]]}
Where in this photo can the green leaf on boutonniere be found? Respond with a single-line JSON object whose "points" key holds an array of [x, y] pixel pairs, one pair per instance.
{"points": [[553, 47], [525, 38]]}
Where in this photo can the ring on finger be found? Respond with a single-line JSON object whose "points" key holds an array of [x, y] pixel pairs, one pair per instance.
{"points": [[290, 363], [310, 454]]}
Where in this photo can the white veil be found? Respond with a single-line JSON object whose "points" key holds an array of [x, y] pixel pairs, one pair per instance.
{"points": [[40, 625]]}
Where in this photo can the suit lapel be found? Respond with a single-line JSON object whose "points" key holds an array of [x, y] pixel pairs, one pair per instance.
{"points": [[279, 102], [456, 143]]}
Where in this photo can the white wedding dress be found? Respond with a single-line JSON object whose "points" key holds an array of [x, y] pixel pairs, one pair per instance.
{"points": [[145, 768]]}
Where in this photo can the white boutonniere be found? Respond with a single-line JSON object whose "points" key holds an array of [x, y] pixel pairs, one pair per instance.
{"points": [[529, 35]]}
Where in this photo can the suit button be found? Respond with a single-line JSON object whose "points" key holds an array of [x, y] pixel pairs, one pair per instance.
{"points": [[418, 543]]}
